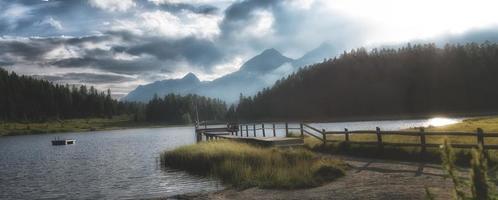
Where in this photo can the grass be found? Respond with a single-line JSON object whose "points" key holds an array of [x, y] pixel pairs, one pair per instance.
{"points": [[463, 156], [70, 125], [244, 165]]}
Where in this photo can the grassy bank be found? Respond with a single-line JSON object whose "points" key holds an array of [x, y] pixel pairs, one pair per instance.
{"points": [[488, 124], [71, 125], [244, 165]]}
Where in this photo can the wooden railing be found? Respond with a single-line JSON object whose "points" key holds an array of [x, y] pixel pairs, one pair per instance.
{"points": [[480, 136], [266, 129]]}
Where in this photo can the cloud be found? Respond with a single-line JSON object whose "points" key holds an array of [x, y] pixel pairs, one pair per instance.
{"points": [[176, 7], [50, 21], [166, 24], [13, 15], [113, 5], [86, 78]]}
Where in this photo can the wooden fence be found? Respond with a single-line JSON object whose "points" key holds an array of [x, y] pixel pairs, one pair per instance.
{"points": [[480, 136]]}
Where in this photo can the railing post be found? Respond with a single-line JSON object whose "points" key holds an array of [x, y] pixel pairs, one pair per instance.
{"points": [[247, 130], [274, 132], [480, 137], [324, 136], [198, 136], [241, 130], [286, 129], [346, 134], [254, 129], [302, 130], [263, 128], [379, 138], [422, 139]]}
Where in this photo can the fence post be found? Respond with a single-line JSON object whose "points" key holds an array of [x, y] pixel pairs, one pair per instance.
{"points": [[302, 130], [274, 133], [247, 130], [324, 136], [263, 128], [480, 137], [422, 139], [379, 138], [286, 129], [254, 129], [346, 134]]}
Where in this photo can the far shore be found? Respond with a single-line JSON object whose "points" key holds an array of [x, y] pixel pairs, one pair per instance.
{"points": [[77, 125]]}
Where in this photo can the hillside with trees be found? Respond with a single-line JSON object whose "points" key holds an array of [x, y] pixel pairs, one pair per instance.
{"points": [[23, 98], [26, 99], [412, 80]]}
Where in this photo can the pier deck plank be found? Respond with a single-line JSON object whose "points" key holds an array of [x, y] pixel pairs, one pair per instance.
{"points": [[267, 141]]}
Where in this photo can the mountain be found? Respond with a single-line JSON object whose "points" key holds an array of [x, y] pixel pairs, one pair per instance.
{"points": [[325, 50], [267, 61], [144, 93], [252, 77], [257, 73]]}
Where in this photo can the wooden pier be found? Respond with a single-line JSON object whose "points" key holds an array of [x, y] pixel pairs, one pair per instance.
{"points": [[236, 132], [266, 134]]}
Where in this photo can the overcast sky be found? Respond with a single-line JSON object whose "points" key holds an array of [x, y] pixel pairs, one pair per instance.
{"points": [[120, 44]]}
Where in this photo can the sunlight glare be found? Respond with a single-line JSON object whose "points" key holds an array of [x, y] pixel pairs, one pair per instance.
{"points": [[441, 121]]}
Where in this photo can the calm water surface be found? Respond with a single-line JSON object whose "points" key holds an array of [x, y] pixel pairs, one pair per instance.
{"points": [[121, 164]]}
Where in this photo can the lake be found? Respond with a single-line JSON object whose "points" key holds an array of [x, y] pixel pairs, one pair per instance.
{"points": [[119, 164]]}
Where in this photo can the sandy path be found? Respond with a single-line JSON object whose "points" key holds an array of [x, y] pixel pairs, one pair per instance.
{"points": [[368, 179]]}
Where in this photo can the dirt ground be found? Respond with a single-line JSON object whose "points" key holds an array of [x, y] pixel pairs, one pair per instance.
{"points": [[367, 179]]}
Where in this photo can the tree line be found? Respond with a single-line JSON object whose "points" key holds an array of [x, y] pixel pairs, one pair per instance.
{"points": [[177, 109], [412, 80], [25, 99]]}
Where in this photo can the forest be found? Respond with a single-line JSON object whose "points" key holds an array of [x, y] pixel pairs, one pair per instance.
{"points": [[26, 99], [420, 79], [177, 109]]}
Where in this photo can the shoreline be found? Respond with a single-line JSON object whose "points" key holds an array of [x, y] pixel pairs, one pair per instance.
{"points": [[76, 125]]}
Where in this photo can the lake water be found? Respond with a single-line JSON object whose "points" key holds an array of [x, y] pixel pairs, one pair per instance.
{"points": [[120, 164]]}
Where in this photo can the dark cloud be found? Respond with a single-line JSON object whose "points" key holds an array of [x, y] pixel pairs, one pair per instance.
{"points": [[86, 78], [130, 67], [28, 50], [199, 52], [5, 64], [177, 7], [238, 14], [242, 10]]}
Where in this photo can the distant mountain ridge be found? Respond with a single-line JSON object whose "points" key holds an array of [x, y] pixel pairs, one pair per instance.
{"points": [[144, 93], [257, 73]]}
